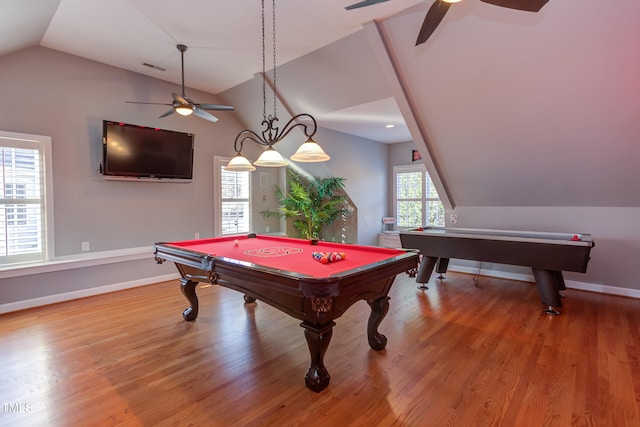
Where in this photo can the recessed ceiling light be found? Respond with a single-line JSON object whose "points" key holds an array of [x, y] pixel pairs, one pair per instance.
{"points": [[390, 126]]}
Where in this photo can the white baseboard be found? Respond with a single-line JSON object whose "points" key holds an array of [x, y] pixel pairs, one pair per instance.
{"points": [[492, 273], [571, 284], [603, 289], [67, 296], [52, 299]]}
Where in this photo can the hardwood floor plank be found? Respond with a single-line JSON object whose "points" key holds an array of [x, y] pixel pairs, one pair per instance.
{"points": [[457, 355]]}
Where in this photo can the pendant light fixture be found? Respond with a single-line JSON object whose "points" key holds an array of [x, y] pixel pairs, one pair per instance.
{"points": [[309, 151]]}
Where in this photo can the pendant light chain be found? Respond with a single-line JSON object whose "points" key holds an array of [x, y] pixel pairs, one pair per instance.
{"points": [[309, 151], [264, 75], [264, 67], [274, 60]]}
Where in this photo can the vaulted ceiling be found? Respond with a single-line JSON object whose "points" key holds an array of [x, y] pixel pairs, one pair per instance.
{"points": [[512, 107]]}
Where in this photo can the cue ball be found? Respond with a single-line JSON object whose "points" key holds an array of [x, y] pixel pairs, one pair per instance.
{"points": [[236, 242]]}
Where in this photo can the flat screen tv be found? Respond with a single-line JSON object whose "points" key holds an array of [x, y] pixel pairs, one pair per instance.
{"points": [[140, 152]]}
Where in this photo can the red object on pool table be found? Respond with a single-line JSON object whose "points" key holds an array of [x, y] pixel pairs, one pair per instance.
{"points": [[281, 272]]}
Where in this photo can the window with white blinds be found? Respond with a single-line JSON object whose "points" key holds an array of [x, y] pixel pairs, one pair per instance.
{"points": [[235, 206], [23, 205], [416, 199]]}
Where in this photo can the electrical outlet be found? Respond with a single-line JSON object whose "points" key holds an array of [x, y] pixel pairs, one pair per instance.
{"points": [[266, 229], [85, 246], [453, 218]]}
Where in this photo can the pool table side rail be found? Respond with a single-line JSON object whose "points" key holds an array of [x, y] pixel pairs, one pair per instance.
{"points": [[208, 262], [319, 245], [528, 253], [510, 235]]}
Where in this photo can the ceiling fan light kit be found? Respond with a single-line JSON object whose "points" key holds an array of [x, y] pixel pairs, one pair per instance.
{"points": [[310, 151], [183, 110]]}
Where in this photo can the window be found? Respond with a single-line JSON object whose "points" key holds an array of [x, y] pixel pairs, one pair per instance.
{"points": [[24, 198], [233, 205], [416, 199]]}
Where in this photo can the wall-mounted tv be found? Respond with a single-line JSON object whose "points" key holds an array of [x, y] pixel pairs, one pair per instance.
{"points": [[145, 153]]}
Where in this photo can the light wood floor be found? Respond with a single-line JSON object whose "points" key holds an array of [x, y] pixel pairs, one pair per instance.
{"points": [[457, 355]]}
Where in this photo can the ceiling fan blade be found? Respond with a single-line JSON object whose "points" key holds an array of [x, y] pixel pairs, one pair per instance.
{"points": [[167, 113], [204, 115], [147, 103], [526, 5], [434, 16], [215, 107], [181, 99], [364, 4]]}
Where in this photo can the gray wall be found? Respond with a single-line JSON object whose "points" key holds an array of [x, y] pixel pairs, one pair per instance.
{"points": [[361, 161], [616, 231], [67, 97], [399, 155], [364, 165]]}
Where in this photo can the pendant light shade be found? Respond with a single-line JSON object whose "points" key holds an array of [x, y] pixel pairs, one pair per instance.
{"points": [[310, 151], [271, 158], [239, 163]]}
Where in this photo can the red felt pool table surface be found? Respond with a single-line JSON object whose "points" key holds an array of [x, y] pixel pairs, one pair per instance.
{"points": [[289, 254]]}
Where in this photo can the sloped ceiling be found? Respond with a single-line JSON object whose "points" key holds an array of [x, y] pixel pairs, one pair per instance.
{"points": [[529, 109], [514, 108]]}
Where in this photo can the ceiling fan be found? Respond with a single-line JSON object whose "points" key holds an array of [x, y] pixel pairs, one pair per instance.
{"points": [[440, 7], [185, 106]]}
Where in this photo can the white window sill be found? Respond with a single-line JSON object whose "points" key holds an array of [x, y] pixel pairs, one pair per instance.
{"points": [[76, 261]]}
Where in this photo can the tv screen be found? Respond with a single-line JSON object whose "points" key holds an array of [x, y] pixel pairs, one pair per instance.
{"points": [[133, 151]]}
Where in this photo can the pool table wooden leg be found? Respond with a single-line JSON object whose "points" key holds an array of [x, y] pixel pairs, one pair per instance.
{"points": [[318, 338], [379, 309], [188, 289]]}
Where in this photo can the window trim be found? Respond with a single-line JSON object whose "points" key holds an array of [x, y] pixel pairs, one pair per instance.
{"points": [[41, 143], [218, 163], [409, 169]]}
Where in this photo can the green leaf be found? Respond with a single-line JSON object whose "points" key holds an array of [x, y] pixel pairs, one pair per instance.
{"points": [[311, 203]]}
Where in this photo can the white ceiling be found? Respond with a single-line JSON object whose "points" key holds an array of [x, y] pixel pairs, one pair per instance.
{"points": [[512, 107], [223, 37]]}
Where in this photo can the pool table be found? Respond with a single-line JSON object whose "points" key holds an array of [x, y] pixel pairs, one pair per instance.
{"points": [[548, 254], [282, 272]]}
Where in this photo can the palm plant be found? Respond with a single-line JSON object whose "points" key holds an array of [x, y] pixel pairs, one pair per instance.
{"points": [[311, 203]]}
